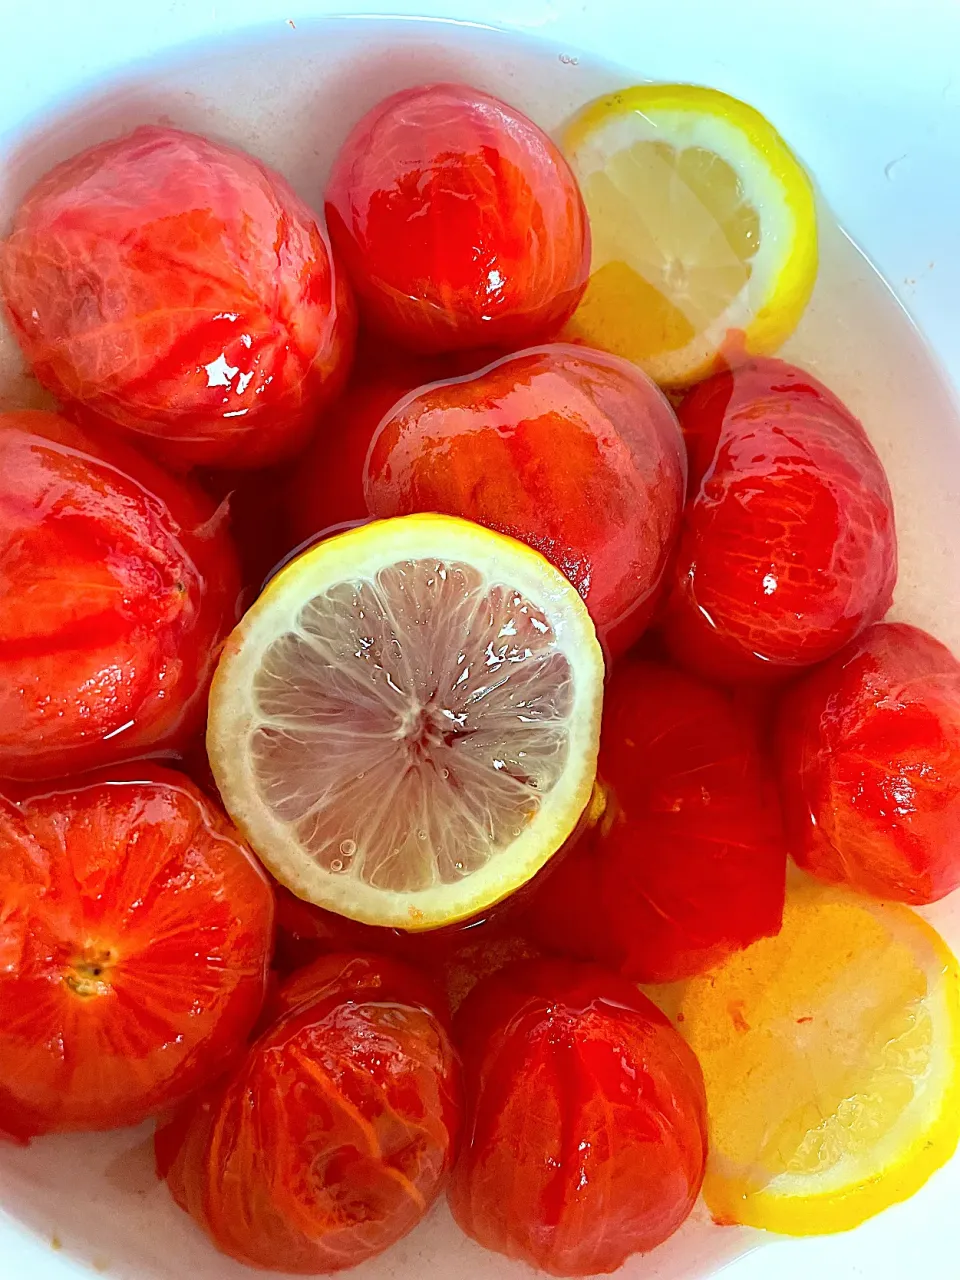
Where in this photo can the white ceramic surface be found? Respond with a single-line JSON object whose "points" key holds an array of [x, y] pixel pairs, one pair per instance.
{"points": [[869, 93]]}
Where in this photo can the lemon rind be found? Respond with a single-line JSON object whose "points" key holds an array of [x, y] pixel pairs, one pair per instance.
{"points": [[924, 1138], [738, 133]]}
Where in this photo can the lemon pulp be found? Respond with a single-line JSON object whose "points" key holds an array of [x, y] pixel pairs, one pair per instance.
{"points": [[703, 224], [831, 1055], [406, 724]]}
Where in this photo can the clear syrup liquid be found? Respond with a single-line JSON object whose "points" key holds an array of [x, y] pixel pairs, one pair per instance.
{"points": [[290, 96]]}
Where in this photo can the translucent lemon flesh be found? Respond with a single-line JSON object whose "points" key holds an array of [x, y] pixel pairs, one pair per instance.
{"points": [[831, 1055], [703, 224], [405, 725]]}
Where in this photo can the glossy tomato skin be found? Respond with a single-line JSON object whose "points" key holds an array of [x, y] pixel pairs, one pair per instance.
{"points": [[117, 585], [869, 752], [460, 222], [177, 289], [788, 547], [332, 1137], [688, 863], [572, 451], [585, 1139], [135, 931]]}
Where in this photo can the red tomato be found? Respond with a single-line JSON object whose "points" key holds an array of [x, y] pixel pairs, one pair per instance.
{"points": [[570, 450], [788, 547], [585, 1139], [870, 766], [460, 222], [135, 932], [179, 289], [688, 863], [330, 1140], [117, 584]]}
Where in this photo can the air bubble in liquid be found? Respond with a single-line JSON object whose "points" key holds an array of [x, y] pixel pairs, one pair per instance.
{"points": [[348, 848]]}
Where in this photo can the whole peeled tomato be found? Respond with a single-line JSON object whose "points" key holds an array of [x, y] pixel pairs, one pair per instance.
{"points": [[572, 451], [178, 289], [333, 1136], [585, 1138], [460, 222], [788, 547], [870, 766], [135, 932], [688, 862], [117, 585]]}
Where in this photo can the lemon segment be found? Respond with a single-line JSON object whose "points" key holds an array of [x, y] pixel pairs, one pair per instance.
{"points": [[704, 229], [405, 725], [831, 1056]]}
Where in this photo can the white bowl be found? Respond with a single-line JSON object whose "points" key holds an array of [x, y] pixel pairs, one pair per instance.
{"points": [[869, 94]]}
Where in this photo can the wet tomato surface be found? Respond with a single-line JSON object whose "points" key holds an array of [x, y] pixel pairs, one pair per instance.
{"points": [[788, 547], [135, 932], [870, 766], [688, 862], [459, 220], [335, 1133], [177, 289], [117, 584], [572, 451], [585, 1137]]}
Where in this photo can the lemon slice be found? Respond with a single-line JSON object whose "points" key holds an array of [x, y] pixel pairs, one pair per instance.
{"points": [[704, 229], [405, 725], [831, 1056]]}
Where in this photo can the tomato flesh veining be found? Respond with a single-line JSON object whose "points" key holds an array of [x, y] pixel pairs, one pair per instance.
{"points": [[585, 1139], [177, 289], [787, 548], [572, 451], [332, 1137], [460, 222], [869, 748], [135, 932], [688, 862], [117, 584]]}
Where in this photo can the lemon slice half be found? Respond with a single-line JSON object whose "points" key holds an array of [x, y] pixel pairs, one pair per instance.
{"points": [[704, 229], [405, 725], [831, 1056]]}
